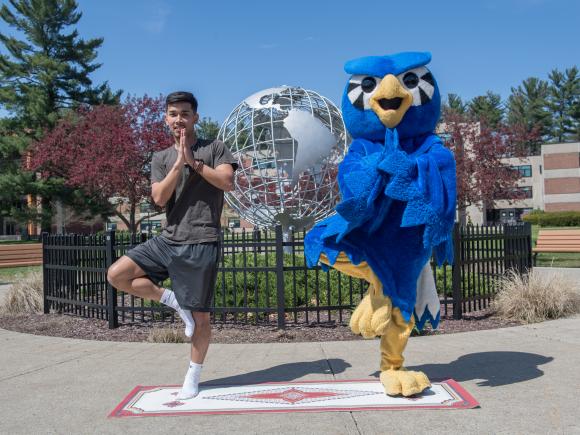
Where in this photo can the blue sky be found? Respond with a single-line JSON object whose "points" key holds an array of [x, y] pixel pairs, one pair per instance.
{"points": [[226, 50]]}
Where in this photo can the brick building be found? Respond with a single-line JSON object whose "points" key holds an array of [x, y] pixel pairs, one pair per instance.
{"points": [[561, 176], [550, 182]]}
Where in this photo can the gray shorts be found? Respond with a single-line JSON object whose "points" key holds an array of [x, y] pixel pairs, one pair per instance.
{"points": [[192, 269]]}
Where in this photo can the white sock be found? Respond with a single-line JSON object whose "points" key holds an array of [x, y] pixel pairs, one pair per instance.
{"points": [[168, 298], [190, 387]]}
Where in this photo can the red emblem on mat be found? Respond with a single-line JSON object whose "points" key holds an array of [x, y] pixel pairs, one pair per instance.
{"points": [[292, 395], [174, 404]]}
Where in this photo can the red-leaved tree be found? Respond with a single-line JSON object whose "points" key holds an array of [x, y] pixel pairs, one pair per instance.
{"points": [[106, 151], [482, 175]]}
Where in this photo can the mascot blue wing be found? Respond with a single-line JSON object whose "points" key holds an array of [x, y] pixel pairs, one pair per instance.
{"points": [[429, 192], [360, 184]]}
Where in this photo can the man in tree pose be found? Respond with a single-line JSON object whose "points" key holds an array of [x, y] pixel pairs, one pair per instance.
{"points": [[189, 178]]}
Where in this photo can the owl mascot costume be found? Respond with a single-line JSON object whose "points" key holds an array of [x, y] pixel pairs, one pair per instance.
{"points": [[397, 208]]}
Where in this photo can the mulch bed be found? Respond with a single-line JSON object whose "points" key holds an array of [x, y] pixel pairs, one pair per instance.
{"points": [[58, 325]]}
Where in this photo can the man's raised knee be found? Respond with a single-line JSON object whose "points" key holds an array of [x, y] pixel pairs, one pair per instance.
{"points": [[113, 274]]}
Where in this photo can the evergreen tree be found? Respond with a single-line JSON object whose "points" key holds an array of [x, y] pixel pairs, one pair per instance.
{"points": [[207, 128], [564, 94], [42, 75], [576, 117], [488, 108], [453, 106], [527, 106]]}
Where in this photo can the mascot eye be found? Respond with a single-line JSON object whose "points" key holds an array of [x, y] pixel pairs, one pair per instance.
{"points": [[368, 84], [411, 80], [420, 83], [360, 90]]}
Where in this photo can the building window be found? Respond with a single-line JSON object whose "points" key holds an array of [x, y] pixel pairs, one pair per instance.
{"points": [[518, 193], [524, 170], [266, 164], [150, 225], [446, 137], [524, 192], [145, 207]]}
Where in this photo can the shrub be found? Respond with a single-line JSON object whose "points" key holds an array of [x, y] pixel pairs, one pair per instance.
{"points": [[260, 286], [167, 335], [25, 295], [553, 219], [536, 297], [444, 282]]}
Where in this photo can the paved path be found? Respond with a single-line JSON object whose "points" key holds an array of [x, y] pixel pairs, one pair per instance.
{"points": [[526, 379]]}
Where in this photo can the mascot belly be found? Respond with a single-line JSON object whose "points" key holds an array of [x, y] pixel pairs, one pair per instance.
{"points": [[397, 206]]}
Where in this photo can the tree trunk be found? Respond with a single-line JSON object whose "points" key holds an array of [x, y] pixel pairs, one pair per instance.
{"points": [[462, 215], [132, 226], [60, 218]]}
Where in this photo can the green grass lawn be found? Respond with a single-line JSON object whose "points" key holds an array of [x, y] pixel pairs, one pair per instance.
{"points": [[555, 259], [9, 275], [18, 242]]}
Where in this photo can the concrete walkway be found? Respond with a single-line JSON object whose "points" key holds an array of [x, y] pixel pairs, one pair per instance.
{"points": [[527, 380]]}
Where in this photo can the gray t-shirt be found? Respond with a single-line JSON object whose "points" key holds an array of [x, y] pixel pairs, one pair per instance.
{"points": [[193, 211]]}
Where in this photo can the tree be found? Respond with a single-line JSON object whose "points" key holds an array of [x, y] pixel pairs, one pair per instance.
{"points": [[106, 151], [488, 108], [576, 116], [482, 176], [206, 128], [527, 106], [453, 106], [42, 75], [563, 94]]}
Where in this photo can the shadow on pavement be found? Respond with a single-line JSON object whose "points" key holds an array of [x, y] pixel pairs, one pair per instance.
{"points": [[494, 368], [284, 372]]}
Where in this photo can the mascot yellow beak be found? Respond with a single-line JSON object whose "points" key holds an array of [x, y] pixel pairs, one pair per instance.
{"points": [[391, 101]]}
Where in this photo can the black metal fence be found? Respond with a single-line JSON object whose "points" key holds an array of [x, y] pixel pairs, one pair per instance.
{"points": [[262, 278]]}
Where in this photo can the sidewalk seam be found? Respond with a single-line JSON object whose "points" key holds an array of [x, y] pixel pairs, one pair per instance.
{"points": [[327, 363]]}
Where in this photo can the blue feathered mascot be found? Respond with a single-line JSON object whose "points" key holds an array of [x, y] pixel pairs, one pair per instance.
{"points": [[397, 185]]}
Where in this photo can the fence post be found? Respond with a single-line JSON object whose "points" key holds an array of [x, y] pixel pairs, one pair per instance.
{"points": [[281, 302], [528, 234], [507, 247], [111, 291], [45, 301], [456, 272]]}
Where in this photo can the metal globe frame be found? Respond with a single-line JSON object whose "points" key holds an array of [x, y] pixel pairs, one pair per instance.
{"points": [[266, 190]]}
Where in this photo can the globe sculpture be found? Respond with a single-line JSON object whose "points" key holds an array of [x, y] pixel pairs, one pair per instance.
{"points": [[288, 142]]}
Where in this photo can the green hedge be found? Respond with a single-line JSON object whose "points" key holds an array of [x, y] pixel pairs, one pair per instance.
{"points": [[258, 288], [261, 286], [553, 219]]}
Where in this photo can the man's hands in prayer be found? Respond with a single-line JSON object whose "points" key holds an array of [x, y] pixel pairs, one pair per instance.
{"points": [[185, 155]]}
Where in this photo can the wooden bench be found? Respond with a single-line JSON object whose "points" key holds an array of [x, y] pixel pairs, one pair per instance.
{"points": [[25, 254], [557, 241]]}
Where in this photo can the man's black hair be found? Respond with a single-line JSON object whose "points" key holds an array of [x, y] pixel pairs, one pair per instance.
{"points": [[181, 96]]}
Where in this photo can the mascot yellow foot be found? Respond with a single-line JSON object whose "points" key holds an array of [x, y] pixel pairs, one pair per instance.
{"points": [[403, 382], [375, 316], [396, 379]]}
